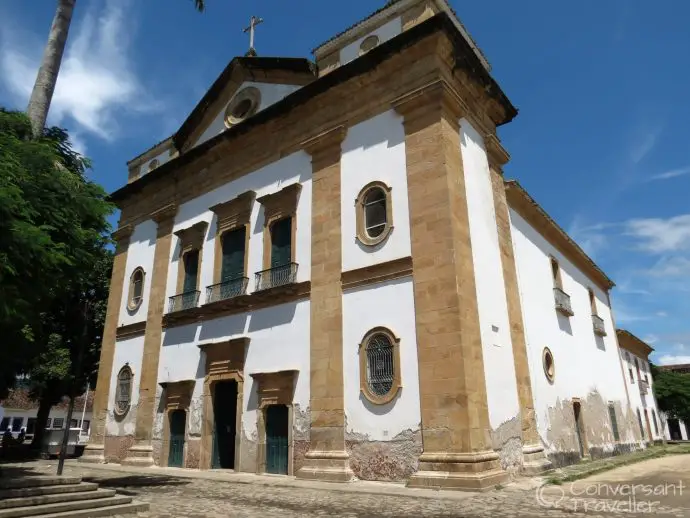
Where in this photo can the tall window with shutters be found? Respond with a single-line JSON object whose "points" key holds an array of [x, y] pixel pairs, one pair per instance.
{"points": [[191, 271], [281, 242], [232, 262]]}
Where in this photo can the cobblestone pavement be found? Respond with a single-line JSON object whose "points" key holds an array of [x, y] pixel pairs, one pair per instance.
{"points": [[170, 496]]}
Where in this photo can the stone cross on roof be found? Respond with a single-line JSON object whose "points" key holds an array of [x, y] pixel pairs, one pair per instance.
{"points": [[253, 22]]}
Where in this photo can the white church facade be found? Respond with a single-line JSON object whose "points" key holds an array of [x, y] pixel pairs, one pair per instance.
{"points": [[324, 274]]}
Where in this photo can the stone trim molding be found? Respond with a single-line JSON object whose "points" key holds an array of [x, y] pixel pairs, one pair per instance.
{"points": [[120, 413], [251, 94], [377, 273], [278, 206], [327, 458], [131, 330], [177, 396], [231, 216], [133, 306], [94, 452], [363, 385], [274, 388], [191, 239], [224, 362], [360, 214], [141, 452], [240, 304], [549, 364], [520, 201]]}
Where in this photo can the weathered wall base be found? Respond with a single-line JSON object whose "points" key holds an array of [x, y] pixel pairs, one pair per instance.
{"points": [[396, 459], [116, 447], [507, 442]]}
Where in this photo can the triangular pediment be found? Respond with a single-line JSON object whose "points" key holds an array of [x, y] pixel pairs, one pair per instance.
{"points": [[246, 86]]}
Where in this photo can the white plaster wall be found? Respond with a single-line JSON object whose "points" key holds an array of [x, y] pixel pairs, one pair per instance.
{"points": [[583, 361], [270, 94], [162, 158], [375, 150], [637, 400], [295, 168], [391, 305], [142, 245], [129, 352], [497, 349], [387, 31], [279, 340]]}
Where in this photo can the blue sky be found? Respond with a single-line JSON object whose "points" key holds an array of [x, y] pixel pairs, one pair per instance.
{"points": [[601, 140]]}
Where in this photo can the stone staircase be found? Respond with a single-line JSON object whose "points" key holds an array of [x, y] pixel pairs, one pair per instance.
{"points": [[58, 497]]}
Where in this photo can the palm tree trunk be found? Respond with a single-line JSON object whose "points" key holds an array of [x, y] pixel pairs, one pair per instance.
{"points": [[42, 94]]}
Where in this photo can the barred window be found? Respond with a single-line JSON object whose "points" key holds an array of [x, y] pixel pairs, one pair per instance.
{"points": [[123, 392], [379, 366], [136, 289], [58, 422]]}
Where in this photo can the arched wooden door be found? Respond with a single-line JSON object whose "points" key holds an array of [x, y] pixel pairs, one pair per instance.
{"points": [[178, 419], [277, 439]]}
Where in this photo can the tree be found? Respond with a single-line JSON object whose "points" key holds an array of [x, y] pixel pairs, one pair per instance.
{"points": [[44, 87], [53, 228], [672, 391]]}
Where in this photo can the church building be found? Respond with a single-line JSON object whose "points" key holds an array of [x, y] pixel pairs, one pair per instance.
{"points": [[324, 274]]}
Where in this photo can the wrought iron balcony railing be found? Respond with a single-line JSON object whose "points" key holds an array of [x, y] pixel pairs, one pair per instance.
{"points": [[278, 276], [187, 300], [563, 302], [226, 289], [644, 387], [599, 327]]}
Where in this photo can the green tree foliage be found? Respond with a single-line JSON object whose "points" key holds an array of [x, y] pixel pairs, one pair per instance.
{"points": [[53, 257], [672, 391]]}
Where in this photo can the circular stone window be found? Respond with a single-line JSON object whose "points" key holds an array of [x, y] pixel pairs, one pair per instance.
{"points": [[369, 43], [242, 106], [153, 164], [549, 366]]}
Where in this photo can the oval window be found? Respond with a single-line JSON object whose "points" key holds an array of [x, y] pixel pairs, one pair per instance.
{"points": [[368, 43], [549, 366], [123, 393], [242, 106], [375, 217], [136, 289]]}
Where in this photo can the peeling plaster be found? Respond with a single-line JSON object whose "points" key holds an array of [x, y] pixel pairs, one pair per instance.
{"points": [[506, 440], [396, 459]]}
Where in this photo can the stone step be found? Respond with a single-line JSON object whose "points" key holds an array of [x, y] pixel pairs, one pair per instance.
{"points": [[113, 510], [65, 507], [55, 498], [47, 490], [36, 481]]}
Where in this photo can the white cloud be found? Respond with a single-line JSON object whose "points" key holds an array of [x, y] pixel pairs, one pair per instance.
{"points": [[671, 266], [661, 314], [673, 359], [658, 235], [673, 173], [97, 82], [651, 339], [644, 142]]}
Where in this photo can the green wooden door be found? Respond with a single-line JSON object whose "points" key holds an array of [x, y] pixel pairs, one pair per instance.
{"points": [[281, 242], [277, 439], [224, 413], [178, 419], [232, 266]]}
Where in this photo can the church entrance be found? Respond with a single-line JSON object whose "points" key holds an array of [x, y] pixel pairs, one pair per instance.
{"points": [[277, 421], [178, 419], [225, 428]]}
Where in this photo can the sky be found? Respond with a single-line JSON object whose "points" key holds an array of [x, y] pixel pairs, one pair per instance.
{"points": [[601, 139]]}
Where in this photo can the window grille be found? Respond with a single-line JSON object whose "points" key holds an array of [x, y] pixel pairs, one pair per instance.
{"points": [[58, 422], [375, 217], [380, 369]]}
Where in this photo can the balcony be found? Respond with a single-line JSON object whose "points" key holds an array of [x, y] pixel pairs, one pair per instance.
{"points": [[599, 327], [644, 387], [563, 302], [187, 300], [275, 277], [227, 289]]}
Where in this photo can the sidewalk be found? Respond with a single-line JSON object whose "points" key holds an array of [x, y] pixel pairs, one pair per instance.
{"points": [[359, 486]]}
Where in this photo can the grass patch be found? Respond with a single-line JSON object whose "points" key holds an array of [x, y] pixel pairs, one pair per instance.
{"points": [[583, 470]]}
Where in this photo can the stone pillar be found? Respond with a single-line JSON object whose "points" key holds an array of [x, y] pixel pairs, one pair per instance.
{"points": [[456, 435], [534, 459], [94, 451], [141, 452], [326, 458]]}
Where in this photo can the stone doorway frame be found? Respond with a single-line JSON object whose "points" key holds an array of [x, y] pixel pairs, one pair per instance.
{"points": [[224, 362], [274, 388], [178, 396]]}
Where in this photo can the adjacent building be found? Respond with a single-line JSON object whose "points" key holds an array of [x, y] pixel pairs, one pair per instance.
{"points": [[323, 273], [677, 429]]}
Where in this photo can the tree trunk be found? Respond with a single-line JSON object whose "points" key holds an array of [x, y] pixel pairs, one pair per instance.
{"points": [[44, 406], [42, 94]]}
